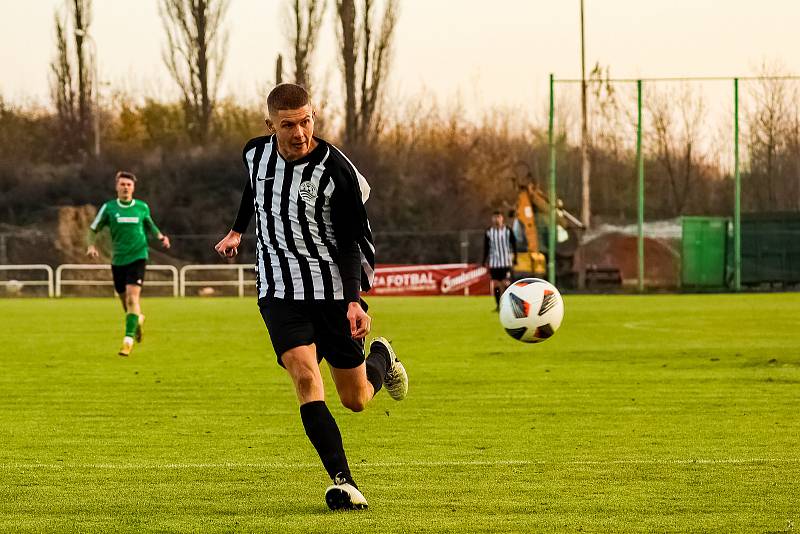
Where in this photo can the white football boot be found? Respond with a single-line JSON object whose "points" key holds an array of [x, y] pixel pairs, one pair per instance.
{"points": [[396, 379], [343, 495], [127, 346]]}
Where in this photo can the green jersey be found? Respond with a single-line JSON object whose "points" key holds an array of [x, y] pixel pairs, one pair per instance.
{"points": [[127, 223]]}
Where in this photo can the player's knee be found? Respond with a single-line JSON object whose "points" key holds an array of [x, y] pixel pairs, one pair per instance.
{"points": [[306, 382]]}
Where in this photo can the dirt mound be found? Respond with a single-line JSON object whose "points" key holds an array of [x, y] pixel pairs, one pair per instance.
{"points": [[619, 251], [72, 224]]}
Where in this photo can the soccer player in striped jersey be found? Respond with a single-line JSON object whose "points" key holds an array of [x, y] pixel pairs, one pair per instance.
{"points": [[499, 255], [129, 221], [314, 256]]}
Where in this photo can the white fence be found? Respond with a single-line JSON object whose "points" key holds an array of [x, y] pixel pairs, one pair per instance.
{"points": [[13, 286], [179, 280], [61, 282], [239, 283]]}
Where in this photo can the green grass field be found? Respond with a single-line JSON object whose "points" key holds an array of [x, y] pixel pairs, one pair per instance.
{"points": [[643, 414]]}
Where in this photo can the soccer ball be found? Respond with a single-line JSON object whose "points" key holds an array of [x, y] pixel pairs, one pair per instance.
{"points": [[531, 310], [13, 287]]}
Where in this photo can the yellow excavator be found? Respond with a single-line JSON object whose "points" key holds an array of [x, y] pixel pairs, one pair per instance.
{"points": [[532, 203]]}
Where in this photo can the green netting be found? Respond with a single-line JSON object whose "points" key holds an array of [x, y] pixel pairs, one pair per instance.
{"points": [[688, 168]]}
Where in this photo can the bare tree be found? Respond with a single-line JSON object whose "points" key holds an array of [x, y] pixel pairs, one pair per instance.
{"points": [[768, 137], [365, 63], [72, 83], [346, 9], [607, 113], [610, 147], [195, 56], [305, 17], [81, 16], [794, 149], [279, 70], [678, 119], [62, 88]]}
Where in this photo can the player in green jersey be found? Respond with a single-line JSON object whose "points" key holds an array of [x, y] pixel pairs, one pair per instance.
{"points": [[129, 221]]}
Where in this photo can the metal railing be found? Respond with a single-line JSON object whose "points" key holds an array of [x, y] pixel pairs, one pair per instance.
{"points": [[33, 267], [61, 282]]}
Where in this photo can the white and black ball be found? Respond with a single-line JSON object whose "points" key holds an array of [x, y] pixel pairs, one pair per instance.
{"points": [[531, 310]]}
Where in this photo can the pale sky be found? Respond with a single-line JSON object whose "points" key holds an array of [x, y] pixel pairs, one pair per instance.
{"points": [[489, 53]]}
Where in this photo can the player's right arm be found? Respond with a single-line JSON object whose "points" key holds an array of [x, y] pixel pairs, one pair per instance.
{"points": [[100, 221], [228, 246], [513, 240], [485, 249]]}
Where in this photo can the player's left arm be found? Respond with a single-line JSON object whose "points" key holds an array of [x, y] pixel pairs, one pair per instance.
{"points": [[346, 208], [151, 227]]}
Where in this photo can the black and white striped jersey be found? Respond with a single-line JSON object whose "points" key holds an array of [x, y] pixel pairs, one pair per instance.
{"points": [[313, 235], [499, 247]]}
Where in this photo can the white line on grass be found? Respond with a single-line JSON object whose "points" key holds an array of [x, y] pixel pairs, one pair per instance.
{"points": [[648, 325], [446, 463]]}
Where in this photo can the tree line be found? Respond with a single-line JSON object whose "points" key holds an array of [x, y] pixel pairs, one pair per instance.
{"points": [[194, 54], [432, 169]]}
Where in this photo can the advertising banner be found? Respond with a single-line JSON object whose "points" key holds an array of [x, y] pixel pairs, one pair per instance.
{"points": [[444, 279]]}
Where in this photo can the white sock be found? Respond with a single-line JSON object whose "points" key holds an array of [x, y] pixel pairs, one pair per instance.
{"points": [[127, 340]]}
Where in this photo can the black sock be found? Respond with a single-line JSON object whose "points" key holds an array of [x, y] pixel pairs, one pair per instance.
{"points": [[324, 434], [378, 363], [497, 295]]}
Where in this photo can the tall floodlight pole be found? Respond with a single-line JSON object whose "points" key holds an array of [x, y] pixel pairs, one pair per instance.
{"points": [[640, 188], [551, 230], [737, 194], [96, 119], [586, 206]]}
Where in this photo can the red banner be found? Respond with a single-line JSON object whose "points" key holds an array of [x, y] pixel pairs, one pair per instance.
{"points": [[446, 279]]}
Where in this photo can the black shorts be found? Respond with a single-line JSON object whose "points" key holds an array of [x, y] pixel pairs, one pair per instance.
{"points": [[500, 273], [293, 323], [130, 274]]}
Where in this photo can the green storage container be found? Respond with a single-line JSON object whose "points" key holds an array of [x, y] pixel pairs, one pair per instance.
{"points": [[704, 249]]}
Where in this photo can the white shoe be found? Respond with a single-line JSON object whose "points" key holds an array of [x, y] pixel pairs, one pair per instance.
{"points": [[342, 495], [396, 379], [127, 346]]}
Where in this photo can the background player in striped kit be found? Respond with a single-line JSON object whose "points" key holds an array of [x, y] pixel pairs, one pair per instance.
{"points": [[314, 255], [499, 255], [129, 222]]}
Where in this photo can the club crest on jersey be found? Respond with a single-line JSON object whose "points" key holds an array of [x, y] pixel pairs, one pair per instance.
{"points": [[308, 191]]}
